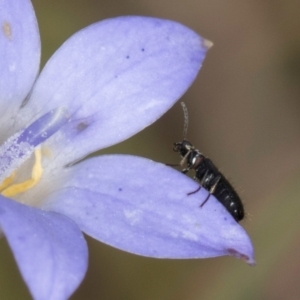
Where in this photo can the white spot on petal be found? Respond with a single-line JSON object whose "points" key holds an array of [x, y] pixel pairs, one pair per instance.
{"points": [[190, 236], [133, 216], [12, 67]]}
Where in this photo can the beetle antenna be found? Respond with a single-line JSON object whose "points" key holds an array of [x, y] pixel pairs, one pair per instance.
{"points": [[186, 119]]}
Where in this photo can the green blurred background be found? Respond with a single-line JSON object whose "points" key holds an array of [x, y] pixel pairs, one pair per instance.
{"points": [[244, 114]]}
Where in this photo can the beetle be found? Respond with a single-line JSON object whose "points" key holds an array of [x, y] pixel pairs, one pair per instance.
{"points": [[207, 174]]}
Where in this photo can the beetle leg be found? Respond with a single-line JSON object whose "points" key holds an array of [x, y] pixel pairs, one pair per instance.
{"points": [[194, 192], [202, 181], [212, 189], [184, 158]]}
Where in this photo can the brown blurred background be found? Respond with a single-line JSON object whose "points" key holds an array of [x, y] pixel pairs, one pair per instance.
{"points": [[244, 114]]}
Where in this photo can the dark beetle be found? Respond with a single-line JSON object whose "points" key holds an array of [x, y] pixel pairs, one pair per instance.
{"points": [[208, 175]]}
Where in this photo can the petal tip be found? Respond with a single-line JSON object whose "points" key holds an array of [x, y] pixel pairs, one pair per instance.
{"points": [[248, 259], [207, 44]]}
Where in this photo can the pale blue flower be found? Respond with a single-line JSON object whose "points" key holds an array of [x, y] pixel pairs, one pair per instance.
{"points": [[103, 85]]}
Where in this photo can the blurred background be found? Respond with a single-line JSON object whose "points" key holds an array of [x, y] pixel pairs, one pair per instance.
{"points": [[244, 114]]}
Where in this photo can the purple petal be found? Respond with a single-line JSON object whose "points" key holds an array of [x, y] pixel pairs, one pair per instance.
{"points": [[49, 249], [141, 206], [115, 78], [20, 53]]}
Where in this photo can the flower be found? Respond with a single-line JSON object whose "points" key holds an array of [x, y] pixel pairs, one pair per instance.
{"points": [[103, 85]]}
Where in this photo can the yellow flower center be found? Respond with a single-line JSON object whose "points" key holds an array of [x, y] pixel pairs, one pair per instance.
{"points": [[9, 190]]}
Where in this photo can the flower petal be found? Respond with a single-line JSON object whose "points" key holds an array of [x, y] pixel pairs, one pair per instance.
{"points": [[20, 54], [141, 206], [116, 77], [49, 249]]}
